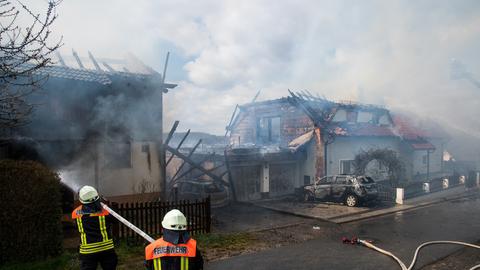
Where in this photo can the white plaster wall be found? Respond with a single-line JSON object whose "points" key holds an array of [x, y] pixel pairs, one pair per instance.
{"points": [[307, 167], [135, 180], [146, 179], [417, 162], [346, 148], [436, 157]]}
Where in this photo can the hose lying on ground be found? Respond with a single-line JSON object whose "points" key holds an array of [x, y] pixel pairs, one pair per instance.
{"points": [[415, 256]]}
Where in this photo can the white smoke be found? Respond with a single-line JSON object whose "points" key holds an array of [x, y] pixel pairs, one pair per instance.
{"points": [[395, 53]]}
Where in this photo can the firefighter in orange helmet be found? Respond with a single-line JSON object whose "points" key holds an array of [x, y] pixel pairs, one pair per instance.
{"points": [[176, 250]]}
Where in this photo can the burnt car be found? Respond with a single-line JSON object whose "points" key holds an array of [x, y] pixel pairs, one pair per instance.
{"points": [[349, 189], [195, 189]]}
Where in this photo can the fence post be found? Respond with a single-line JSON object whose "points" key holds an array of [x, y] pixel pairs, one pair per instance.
{"points": [[400, 196], [426, 187], [461, 180], [445, 183], [207, 214]]}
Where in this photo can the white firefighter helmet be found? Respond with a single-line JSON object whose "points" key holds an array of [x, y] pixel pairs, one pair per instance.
{"points": [[88, 194], [174, 220]]}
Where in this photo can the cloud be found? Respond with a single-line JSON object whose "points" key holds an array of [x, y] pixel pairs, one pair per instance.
{"points": [[392, 52]]}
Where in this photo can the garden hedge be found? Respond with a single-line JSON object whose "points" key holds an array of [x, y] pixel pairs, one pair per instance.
{"points": [[30, 215]]}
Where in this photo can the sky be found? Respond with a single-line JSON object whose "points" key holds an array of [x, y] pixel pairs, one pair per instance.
{"points": [[392, 53]]}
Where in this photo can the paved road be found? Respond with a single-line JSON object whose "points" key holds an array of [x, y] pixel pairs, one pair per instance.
{"points": [[400, 233]]}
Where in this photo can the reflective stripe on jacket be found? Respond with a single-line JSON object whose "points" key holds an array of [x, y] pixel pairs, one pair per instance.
{"points": [[161, 248], [94, 229]]}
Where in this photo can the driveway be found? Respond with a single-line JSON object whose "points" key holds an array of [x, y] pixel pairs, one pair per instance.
{"points": [[339, 213]]}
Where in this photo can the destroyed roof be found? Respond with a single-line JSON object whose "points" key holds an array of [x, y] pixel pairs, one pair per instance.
{"points": [[322, 112], [300, 141], [65, 72], [101, 70]]}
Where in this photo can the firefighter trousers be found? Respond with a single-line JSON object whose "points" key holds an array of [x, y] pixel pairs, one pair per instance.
{"points": [[107, 260]]}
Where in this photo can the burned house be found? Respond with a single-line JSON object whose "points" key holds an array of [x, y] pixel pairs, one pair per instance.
{"points": [[277, 146], [98, 122]]}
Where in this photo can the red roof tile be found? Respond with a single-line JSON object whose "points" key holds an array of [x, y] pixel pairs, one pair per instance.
{"points": [[407, 130], [422, 146]]}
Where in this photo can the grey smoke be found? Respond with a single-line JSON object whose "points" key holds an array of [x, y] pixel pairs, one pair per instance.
{"points": [[397, 52]]}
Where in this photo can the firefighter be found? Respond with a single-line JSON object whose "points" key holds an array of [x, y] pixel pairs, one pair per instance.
{"points": [[176, 250], [94, 224]]}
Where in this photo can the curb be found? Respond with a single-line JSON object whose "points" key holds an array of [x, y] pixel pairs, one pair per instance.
{"points": [[406, 209], [345, 216], [290, 213]]}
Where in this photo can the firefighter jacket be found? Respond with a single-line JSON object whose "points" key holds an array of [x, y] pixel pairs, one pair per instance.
{"points": [[95, 230], [163, 255]]}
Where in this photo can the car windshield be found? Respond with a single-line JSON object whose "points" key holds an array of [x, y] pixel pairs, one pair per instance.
{"points": [[325, 180], [365, 180]]}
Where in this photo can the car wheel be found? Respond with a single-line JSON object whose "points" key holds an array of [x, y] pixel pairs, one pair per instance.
{"points": [[351, 200]]}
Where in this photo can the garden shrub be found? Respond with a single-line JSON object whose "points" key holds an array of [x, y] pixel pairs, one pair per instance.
{"points": [[30, 215]]}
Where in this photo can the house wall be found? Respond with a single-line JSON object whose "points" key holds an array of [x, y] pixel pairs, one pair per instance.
{"points": [[346, 148], [407, 157], [435, 158], [307, 169], [293, 123], [141, 177]]}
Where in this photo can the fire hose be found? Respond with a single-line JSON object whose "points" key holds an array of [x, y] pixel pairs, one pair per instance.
{"points": [[128, 224], [415, 256]]}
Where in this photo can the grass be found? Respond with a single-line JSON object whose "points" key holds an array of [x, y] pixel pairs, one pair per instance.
{"points": [[235, 241], [66, 261], [131, 256]]}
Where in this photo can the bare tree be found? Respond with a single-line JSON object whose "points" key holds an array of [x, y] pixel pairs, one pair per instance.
{"points": [[24, 50]]}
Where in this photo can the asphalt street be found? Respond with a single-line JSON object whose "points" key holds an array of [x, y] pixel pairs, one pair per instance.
{"points": [[399, 233]]}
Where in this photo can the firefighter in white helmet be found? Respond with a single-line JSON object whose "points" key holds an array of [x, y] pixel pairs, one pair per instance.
{"points": [[176, 250], [94, 225]]}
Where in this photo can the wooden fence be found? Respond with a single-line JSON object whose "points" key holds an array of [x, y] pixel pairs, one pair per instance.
{"points": [[148, 217]]}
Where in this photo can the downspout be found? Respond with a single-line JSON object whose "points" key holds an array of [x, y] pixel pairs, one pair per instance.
{"points": [[428, 165], [325, 157]]}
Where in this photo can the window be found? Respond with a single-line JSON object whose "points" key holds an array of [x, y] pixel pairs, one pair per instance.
{"points": [[352, 116], [340, 116], [268, 130], [365, 117], [325, 180], [341, 180], [364, 180], [306, 179], [346, 167], [383, 120]]}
